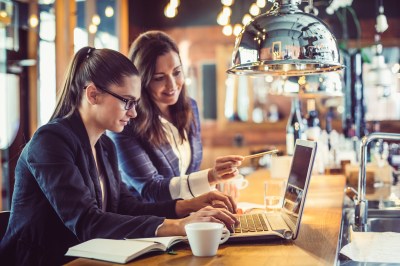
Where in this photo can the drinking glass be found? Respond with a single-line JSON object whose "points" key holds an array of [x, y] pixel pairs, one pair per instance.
{"points": [[273, 194]]}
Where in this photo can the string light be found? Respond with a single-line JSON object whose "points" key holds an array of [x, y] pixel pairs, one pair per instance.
{"points": [[227, 2], [174, 3], [171, 9], [237, 29], [261, 3], [254, 10], [246, 19], [227, 30], [227, 11], [96, 20], [224, 17]]}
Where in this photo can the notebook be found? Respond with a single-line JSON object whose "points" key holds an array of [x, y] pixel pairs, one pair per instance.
{"points": [[284, 223], [121, 251]]}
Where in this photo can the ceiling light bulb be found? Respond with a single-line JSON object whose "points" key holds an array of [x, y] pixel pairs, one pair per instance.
{"points": [[227, 30], [254, 10], [227, 2], [174, 3], [109, 11], [96, 20], [246, 19], [237, 29], [261, 3], [227, 11], [222, 19], [169, 11]]}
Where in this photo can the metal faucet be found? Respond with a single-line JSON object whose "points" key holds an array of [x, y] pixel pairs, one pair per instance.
{"points": [[361, 208]]}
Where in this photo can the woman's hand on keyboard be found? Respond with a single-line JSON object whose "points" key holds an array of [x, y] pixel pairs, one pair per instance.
{"points": [[172, 227], [210, 214], [213, 198]]}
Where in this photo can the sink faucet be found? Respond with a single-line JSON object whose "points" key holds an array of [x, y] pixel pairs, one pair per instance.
{"points": [[361, 208]]}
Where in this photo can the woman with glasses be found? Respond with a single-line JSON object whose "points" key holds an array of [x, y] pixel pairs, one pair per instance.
{"points": [[160, 152], [67, 183]]}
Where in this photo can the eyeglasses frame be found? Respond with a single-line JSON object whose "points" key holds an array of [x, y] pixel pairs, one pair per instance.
{"points": [[119, 97]]}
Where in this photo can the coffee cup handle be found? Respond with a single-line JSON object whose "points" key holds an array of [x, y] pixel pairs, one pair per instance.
{"points": [[245, 183], [225, 235]]}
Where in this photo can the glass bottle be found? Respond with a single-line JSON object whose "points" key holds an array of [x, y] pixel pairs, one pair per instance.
{"points": [[294, 127], [313, 125]]}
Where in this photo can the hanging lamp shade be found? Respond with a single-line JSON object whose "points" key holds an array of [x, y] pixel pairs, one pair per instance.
{"points": [[285, 41]]}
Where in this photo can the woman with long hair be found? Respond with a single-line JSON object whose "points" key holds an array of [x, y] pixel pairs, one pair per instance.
{"points": [[161, 151], [68, 187]]}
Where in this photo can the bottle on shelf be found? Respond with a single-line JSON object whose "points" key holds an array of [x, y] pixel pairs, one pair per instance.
{"points": [[330, 115], [313, 125], [294, 127]]}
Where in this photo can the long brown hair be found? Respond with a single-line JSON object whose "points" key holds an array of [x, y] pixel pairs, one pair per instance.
{"points": [[144, 52], [100, 66]]}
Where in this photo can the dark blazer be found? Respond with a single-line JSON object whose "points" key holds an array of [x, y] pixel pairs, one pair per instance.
{"points": [[147, 170], [57, 198]]}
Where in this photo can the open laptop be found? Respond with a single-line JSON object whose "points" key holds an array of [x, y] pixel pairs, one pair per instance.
{"points": [[286, 222]]}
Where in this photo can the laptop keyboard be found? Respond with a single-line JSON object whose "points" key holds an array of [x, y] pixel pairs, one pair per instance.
{"points": [[259, 222]]}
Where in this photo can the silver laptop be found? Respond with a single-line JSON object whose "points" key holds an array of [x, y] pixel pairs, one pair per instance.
{"points": [[286, 222]]}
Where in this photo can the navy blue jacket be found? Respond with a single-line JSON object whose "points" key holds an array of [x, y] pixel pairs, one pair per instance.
{"points": [[57, 198], [147, 170]]}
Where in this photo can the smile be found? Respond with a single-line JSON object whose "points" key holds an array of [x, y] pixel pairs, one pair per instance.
{"points": [[170, 93]]}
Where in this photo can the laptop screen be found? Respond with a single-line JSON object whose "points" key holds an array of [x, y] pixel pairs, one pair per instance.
{"points": [[296, 188]]}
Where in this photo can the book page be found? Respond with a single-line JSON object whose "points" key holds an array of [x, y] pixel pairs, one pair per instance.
{"points": [[166, 241], [120, 251]]}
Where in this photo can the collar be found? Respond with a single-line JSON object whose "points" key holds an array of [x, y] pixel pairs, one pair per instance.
{"points": [[75, 122]]}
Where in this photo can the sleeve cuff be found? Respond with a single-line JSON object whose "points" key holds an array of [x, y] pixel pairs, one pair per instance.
{"points": [[158, 227], [190, 186], [175, 186], [197, 183]]}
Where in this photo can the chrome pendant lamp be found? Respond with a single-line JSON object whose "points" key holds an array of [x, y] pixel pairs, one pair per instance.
{"points": [[285, 41]]}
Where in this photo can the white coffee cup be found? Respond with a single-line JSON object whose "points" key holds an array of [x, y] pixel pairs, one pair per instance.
{"points": [[240, 182], [232, 186], [205, 237]]}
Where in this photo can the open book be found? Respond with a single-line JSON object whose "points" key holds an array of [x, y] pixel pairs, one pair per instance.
{"points": [[121, 251]]}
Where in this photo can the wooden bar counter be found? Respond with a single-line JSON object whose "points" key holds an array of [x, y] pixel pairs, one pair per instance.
{"points": [[317, 243]]}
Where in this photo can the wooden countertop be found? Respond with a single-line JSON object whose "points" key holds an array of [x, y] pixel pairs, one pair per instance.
{"points": [[316, 244]]}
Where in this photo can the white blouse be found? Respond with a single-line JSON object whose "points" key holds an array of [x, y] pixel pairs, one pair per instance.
{"points": [[184, 186]]}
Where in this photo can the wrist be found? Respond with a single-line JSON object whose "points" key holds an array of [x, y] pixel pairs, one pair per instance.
{"points": [[211, 177], [184, 207], [171, 228]]}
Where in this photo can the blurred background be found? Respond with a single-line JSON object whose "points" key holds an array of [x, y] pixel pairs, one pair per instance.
{"points": [[240, 114]]}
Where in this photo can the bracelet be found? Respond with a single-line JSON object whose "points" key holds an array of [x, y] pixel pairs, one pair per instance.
{"points": [[190, 190]]}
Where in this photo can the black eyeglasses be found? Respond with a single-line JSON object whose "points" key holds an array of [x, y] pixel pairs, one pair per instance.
{"points": [[129, 103]]}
